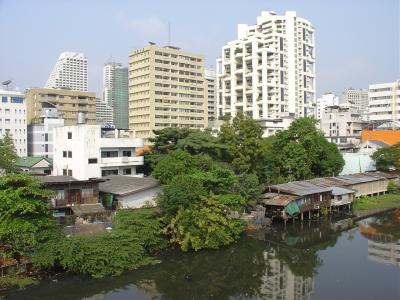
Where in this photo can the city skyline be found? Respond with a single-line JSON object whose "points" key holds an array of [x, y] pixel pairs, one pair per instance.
{"points": [[345, 57]]}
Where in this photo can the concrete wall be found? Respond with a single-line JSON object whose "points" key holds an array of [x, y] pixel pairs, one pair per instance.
{"points": [[139, 199]]}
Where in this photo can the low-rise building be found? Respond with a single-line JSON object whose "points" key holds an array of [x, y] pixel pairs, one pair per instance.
{"points": [[383, 103], [342, 125], [91, 151], [35, 165], [13, 119], [73, 105], [73, 196], [327, 99], [129, 192], [40, 135]]}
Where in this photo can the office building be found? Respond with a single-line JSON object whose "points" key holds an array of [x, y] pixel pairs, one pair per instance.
{"points": [[70, 71], [327, 99], [104, 113], [115, 92], [91, 151], [268, 72], [167, 88], [358, 98], [71, 105], [211, 80], [13, 119], [384, 103], [40, 135]]}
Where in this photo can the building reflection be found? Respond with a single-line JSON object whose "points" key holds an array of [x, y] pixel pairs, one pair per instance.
{"points": [[383, 236], [280, 282]]}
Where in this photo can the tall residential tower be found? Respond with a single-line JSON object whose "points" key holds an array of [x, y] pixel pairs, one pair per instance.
{"points": [[115, 92], [167, 88], [69, 72], [268, 73]]}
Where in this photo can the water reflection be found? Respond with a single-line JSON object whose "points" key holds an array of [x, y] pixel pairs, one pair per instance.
{"points": [[280, 263], [383, 234]]}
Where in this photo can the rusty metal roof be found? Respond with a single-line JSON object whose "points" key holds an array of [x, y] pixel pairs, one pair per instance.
{"points": [[277, 199]]}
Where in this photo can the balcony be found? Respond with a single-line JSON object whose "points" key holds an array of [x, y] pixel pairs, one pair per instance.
{"points": [[121, 161]]}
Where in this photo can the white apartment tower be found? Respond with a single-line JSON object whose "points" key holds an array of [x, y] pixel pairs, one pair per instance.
{"points": [[268, 73], [211, 80], [384, 103], [13, 119], [104, 113], [69, 72]]}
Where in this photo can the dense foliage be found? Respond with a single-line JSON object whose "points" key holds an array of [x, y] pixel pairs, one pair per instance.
{"points": [[24, 213], [387, 158], [8, 155], [131, 244]]}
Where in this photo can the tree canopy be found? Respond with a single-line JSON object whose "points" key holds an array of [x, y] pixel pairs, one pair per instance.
{"points": [[386, 158], [8, 154]]}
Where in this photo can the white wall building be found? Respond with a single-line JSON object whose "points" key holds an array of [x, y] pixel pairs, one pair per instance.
{"points": [[70, 72], [89, 151], [327, 99], [211, 79], [268, 73], [357, 97], [342, 125], [40, 135], [104, 113], [384, 103], [13, 119]]}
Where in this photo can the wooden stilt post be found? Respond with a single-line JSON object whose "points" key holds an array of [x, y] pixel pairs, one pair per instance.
{"points": [[309, 214], [302, 217]]}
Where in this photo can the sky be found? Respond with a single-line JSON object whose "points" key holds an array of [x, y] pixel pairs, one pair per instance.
{"points": [[357, 41]]}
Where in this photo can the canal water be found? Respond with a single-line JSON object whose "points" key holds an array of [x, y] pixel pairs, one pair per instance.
{"points": [[328, 259]]}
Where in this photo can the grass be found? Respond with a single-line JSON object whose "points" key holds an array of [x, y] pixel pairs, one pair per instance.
{"points": [[383, 201], [11, 281]]}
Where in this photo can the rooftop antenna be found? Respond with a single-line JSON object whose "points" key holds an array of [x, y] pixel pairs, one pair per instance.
{"points": [[6, 84]]}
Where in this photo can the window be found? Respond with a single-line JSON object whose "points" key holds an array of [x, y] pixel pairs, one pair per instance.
{"points": [[109, 172], [127, 171], [127, 153], [109, 154], [92, 160], [46, 137], [17, 100], [70, 154], [60, 195], [87, 192], [4, 99], [69, 172], [65, 172], [64, 153], [69, 135]]}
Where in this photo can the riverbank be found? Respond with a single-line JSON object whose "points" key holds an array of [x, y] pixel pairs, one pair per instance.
{"points": [[378, 202]]}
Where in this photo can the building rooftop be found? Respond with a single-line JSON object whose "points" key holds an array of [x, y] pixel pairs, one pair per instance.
{"points": [[125, 185], [66, 179], [30, 161]]}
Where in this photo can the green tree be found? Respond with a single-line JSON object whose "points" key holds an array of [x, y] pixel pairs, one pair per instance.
{"points": [[205, 225], [245, 146], [24, 213], [386, 158], [8, 154], [302, 152]]}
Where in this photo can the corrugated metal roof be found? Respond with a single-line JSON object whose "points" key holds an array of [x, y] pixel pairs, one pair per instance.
{"points": [[277, 199]]}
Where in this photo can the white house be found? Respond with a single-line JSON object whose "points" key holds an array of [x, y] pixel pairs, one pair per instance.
{"points": [[91, 151], [130, 192]]}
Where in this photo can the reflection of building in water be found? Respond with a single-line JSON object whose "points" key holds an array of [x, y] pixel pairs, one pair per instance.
{"points": [[382, 247], [279, 282]]}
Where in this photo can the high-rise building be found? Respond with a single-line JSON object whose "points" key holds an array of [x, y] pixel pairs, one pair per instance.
{"points": [[384, 103], [327, 99], [357, 97], [211, 79], [13, 119], [74, 106], [69, 72], [268, 73], [40, 135], [115, 92], [104, 113], [167, 88]]}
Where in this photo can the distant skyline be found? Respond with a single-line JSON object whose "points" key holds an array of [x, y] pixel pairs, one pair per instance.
{"points": [[357, 41]]}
